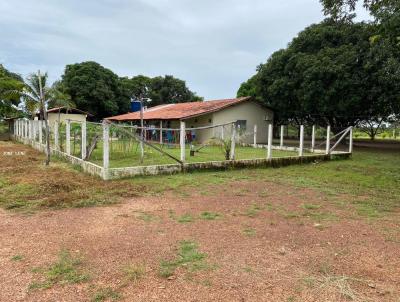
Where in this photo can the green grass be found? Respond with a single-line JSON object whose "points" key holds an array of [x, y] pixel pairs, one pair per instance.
{"points": [[253, 210], [369, 182], [367, 185], [127, 154], [66, 270], [209, 216], [188, 257], [17, 258], [249, 232], [134, 272], [106, 293], [145, 216], [185, 218]]}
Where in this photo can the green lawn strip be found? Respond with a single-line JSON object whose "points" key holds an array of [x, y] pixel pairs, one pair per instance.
{"points": [[121, 156]]}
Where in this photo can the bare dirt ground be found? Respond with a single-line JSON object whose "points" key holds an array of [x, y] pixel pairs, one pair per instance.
{"points": [[265, 245]]}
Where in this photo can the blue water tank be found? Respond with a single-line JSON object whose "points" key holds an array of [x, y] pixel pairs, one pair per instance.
{"points": [[135, 106]]}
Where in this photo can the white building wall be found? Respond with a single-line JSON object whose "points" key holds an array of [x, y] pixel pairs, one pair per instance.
{"points": [[253, 113], [53, 117]]}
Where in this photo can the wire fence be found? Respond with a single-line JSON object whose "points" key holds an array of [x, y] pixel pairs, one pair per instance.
{"points": [[121, 145]]}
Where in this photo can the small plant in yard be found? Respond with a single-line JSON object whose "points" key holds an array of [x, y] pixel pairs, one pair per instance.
{"points": [[185, 218], [65, 270], [253, 210], [210, 216], [17, 258], [106, 293], [134, 272], [145, 216], [188, 257], [309, 206], [250, 232]]}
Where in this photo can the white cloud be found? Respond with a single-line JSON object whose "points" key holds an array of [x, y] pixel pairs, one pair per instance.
{"points": [[213, 45]]}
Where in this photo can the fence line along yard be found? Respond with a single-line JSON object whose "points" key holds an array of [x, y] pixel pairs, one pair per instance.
{"points": [[112, 150]]}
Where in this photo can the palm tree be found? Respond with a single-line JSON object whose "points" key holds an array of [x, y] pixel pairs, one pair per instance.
{"points": [[36, 95], [59, 98]]}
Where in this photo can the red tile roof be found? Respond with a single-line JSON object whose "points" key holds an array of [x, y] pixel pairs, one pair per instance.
{"points": [[179, 111]]}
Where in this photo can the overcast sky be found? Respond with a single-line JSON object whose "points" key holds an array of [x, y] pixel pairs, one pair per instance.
{"points": [[212, 44]]}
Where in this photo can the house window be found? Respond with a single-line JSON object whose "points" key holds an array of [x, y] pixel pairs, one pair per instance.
{"points": [[241, 124], [210, 121]]}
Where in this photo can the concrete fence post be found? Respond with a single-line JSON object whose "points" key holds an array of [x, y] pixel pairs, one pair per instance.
{"points": [[222, 132], [269, 146], [301, 147], [68, 137], [40, 126], [255, 136], [34, 126], [106, 149], [351, 140], [26, 129], [182, 140], [56, 137], [161, 134], [313, 139], [31, 130], [83, 140], [328, 139], [233, 142], [282, 134]]}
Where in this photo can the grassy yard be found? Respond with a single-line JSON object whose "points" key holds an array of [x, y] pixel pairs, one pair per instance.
{"points": [[127, 154]]}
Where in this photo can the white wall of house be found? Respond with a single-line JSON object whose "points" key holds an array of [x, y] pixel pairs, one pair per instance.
{"points": [[201, 121], [251, 112], [53, 117]]}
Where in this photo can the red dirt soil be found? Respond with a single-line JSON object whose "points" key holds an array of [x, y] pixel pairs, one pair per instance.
{"points": [[286, 259]]}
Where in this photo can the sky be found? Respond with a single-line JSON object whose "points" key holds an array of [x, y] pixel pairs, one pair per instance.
{"points": [[213, 45]]}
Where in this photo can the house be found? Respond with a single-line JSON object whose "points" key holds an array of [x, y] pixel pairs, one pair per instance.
{"points": [[245, 110], [62, 114]]}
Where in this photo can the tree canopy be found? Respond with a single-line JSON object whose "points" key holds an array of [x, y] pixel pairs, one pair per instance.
{"points": [[93, 88], [101, 92], [386, 14], [9, 81], [330, 73]]}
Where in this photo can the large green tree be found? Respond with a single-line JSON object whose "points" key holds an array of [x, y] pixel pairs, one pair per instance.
{"points": [[331, 73], [166, 90], [94, 88], [9, 81], [386, 15]]}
